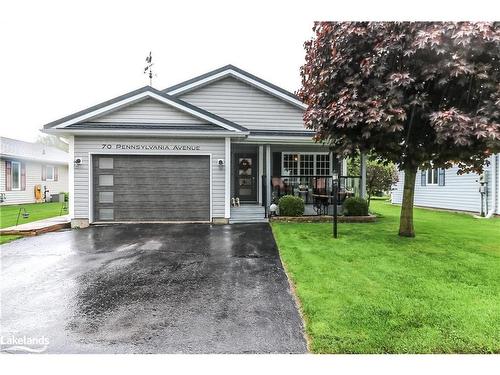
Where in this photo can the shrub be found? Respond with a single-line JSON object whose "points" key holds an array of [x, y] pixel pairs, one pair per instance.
{"points": [[355, 206], [290, 205]]}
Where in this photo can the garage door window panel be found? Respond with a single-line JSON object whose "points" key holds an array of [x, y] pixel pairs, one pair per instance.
{"points": [[106, 214], [106, 180], [106, 197], [49, 173], [105, 163]]}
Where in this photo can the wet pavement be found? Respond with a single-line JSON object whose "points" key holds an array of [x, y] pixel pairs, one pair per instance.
{"points": [[156, 288]]}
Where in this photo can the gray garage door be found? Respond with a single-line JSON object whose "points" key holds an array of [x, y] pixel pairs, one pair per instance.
{"points": [[151, 188]]}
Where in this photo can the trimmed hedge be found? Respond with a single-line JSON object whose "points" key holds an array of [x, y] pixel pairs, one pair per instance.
{"points": [[355, 206], [290, 205]]}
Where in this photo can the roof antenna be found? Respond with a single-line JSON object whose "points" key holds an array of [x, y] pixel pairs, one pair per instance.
{"points": [[149, 68]]}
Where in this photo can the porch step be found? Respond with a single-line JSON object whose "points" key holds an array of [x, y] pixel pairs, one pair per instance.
{"points": [[248, 221], [248, 214]]}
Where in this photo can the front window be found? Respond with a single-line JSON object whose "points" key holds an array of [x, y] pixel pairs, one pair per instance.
{"points": [[432, 176], [290, 165], [16, 175], [50, 173], [323, 164], [306, 164]]}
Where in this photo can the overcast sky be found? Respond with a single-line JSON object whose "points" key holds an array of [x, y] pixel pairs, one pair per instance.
{"points": [[58, 57]]}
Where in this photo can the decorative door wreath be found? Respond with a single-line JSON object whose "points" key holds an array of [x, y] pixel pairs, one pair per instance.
{"points": [[245, 165]]}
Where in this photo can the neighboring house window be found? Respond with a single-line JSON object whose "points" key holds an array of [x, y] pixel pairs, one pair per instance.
{"points": [[434, 176], [305, 164], [49, 173], [16, 175]]}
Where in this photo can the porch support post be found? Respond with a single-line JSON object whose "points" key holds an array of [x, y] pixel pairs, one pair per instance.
{"points": [[71, 177], [498, 184], [362, 182], [344, 167], [333, 164], [268, 175], [261, 172], [227, 177]]}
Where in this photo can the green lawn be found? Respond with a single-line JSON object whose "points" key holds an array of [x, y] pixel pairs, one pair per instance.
{"points": [[5, 239], [371, 291], [37, 211]]}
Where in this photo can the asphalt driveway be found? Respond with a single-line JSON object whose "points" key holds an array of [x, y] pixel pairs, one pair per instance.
{"points": [[153, 288]]}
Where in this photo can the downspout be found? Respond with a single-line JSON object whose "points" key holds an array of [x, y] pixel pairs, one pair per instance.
{"points": [[494, 179], [71, 177]]}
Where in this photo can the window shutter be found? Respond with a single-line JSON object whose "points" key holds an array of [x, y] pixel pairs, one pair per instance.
{"points": [[44, 173], [23, 176], [423, 177], [8, 175], [56, 175], [441, 177]]}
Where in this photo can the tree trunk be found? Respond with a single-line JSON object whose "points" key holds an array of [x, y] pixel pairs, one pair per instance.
{"points": [[406, 219]]}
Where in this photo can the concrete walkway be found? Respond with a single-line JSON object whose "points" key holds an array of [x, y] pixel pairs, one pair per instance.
{"points": [[37, 227]]}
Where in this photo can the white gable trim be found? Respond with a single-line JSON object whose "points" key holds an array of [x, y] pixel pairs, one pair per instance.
{"points": [[279, 140], [242, 77], [139, 97], [146, 133]]}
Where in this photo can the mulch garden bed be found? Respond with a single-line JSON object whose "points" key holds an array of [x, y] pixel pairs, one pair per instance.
{"points": [[324, 219]]}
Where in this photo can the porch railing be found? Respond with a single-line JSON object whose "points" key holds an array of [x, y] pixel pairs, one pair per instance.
{"points": [[310, 188]]}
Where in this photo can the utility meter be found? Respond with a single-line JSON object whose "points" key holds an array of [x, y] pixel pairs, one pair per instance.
{"points": [[482, 182], [483, 191]]}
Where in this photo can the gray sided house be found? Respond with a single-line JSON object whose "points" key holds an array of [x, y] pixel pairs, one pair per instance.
{"points": [[184, 153], [26, 166], [439, 188]]}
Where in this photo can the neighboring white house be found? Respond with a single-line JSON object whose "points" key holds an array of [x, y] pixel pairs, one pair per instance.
{"points": [[446, 189], [189, 152], [25, 165]]}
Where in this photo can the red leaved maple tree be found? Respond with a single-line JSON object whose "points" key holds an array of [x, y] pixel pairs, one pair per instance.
{"points": [[417, 94]]}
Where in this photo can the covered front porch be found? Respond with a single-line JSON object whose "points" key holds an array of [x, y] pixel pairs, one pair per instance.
{"points": [[262, 173]]}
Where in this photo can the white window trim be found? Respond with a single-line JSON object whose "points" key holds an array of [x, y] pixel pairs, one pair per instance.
{"points": [[434, 172], [53, 173], [299, 161], [12, 163]]}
